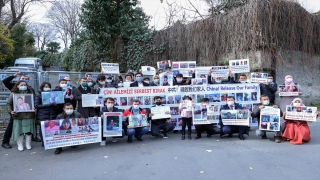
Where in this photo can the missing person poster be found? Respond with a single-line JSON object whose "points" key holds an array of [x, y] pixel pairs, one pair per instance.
{"points": [[110, 68], [148, 70], [220, 71], [199, 81], [301, 113], [112, 124], [166, 79], [202, 72], [23, 103], [160, 112], [239, 66], [270, 119], [259, 77], [288, 90], [138, 120], [205, 114], [186, 68], [52, 97], [71, 132], [62, 76], [235, 117], [92, 100], [163, 64]]}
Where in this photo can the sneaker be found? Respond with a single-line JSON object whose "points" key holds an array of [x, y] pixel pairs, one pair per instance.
{"points": [[277, 139], [164, 135], [114, 140], [103, 143], [264, 137], [153, 136]]}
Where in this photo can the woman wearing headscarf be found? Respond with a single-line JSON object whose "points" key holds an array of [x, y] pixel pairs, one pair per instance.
{"points": [[290, 86], [297, 132]]}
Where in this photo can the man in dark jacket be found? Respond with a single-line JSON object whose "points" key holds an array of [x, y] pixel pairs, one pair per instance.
{"points": [[83, 89], [7, 134], [68, 113], [269, 88], [138, 82], [229, 129], [67, 99], [109, 107], [159, 124], [265, 102]]}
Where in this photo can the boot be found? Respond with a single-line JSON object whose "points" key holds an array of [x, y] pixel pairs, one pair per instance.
{"points": [[20, 143], [183, 137], [28, 142], [189, 134]]}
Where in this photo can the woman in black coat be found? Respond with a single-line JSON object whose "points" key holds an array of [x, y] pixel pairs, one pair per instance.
{"points": [[47, 111]]}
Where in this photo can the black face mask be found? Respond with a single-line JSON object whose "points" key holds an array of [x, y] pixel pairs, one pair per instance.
{"points": [[158, 103]]}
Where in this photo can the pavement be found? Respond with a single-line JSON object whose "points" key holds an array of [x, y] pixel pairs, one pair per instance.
{"points": [[172, 158]]}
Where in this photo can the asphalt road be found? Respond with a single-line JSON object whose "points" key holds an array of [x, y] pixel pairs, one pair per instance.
{"points": [[172, 158]]}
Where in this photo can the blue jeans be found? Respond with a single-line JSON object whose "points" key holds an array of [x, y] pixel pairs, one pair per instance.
{"points": [[234, 129], [139, 132]]}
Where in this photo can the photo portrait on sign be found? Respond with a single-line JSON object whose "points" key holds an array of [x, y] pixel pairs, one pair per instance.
{"points": [[147, 100], [112, 123], [52, 97], [166, 79], [23, 103]]}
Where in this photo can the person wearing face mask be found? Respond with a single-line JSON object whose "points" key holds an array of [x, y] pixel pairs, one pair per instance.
{"points": [[68, 113], [155, 81], [230, 129], [91, 82], [84, 89], [297, 132], [68, 98], [217, 80], [146, 80], [211, 129], [23, 122], [70, 86], [269, 88], [159, 124], [186, 116], [138, 82], [110, 83], [179, 81], [290, 86], [109, 107], [44, 111], [137, 132], [265, 103], [242, 79]]}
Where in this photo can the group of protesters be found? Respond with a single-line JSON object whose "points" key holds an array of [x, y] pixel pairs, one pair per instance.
{"points": [[23, 125]]}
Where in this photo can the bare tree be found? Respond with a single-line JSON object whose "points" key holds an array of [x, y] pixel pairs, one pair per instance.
{"points": [[2, 5], [43, 34], [64, 16]]}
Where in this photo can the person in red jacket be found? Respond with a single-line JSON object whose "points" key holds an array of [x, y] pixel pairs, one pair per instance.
{"points": [[138, 132]]}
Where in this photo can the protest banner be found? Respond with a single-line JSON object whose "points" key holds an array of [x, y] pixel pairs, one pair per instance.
{"points": [[23, 103], [52, 97], [239, 65], [259, 77], [186, 68], [235, 117], [202, 72], [138, 120], [160, 112], [163, 64], [70, 132], [92, 100], [205, 114], [301, 113], [270, 119], [62, 76], [288, 90], [220, 71], [112, 124], [166, 79], [148, 70], [110, 68], [247, 95]]}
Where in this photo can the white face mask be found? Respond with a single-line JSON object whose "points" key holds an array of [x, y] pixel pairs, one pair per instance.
{"points": [[63, 85], [266, 103], [296, 104], [230, 103], [102, 82], [156, 80], [109, 105], [289, 80], [179, 80], [109, 81], [135, 106], [218, 81], [128, 80], [269, 80], [242, 82], [146, 82], [120, 85]]}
